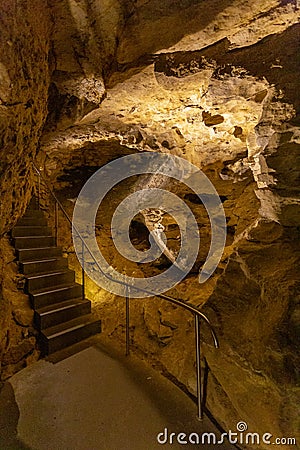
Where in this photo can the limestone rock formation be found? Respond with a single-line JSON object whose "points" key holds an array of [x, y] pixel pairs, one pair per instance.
{"points": [[217, 83], [24, 79], [17, 336]]}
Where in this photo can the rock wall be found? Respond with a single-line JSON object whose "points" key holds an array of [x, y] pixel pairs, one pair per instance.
{"points": [[17, 336], [24, 81], [24, 72]]}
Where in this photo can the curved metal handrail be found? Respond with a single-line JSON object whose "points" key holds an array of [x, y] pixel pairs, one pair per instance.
{"points": [[191, 308]]}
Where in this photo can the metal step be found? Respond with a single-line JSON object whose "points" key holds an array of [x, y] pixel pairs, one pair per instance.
{"points": [[31, 221], [62, 335], [61, 312], [34, 213], [43, 265], [22, 231], [49, 280], [32, 254], [46, 297], [34, 242], [61, 315]]}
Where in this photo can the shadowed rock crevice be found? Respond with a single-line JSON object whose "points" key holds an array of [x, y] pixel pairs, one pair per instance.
{"points": [[9, 421], [274, 58]]}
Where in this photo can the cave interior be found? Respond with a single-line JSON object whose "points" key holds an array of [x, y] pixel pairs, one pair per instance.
{"points": [[210, 84]]}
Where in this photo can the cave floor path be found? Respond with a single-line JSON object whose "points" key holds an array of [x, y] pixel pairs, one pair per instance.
{"points": [[96, 399]]}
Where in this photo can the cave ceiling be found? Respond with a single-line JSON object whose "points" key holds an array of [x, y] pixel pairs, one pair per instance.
{"points": [[189, 77]]}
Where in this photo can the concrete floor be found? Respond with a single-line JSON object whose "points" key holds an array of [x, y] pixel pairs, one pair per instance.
{"points": [[94, 401]]}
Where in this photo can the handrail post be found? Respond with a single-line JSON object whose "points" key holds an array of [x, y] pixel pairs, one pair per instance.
{"points": [[198, 367], [56, 222], [82, 271], [127, 300]]}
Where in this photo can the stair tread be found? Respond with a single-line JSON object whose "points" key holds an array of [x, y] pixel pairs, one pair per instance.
{"points": [[30, 226], [58, 287], [71, 325], [50, 274], [34, 237], [31, 221], [30, 231], [29, 209], [33, 242], [30, 212], [39, 249], [61, 315], [37, 261], [62, 305]]}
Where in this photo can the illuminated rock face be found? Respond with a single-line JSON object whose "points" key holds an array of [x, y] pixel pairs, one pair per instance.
{"points": [[216, 83], [24, 81]]}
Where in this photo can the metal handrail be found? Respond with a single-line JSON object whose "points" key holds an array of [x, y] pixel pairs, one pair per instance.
{"points": [[198, 315]]}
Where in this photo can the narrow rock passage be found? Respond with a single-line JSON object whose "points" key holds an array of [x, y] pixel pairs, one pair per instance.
{"points": [[93, 401]]}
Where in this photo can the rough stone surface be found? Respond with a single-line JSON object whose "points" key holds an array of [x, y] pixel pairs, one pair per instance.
{"points": [[216, 83], [18, 345], [24, 80]]}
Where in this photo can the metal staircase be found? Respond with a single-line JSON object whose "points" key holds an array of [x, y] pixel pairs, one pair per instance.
{"points": [[61, 313]]}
